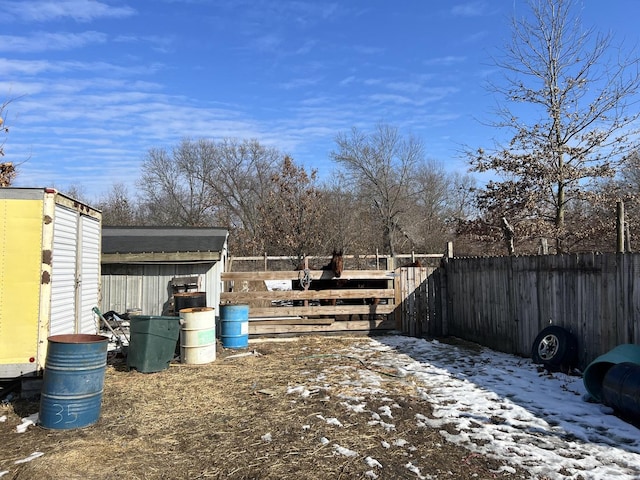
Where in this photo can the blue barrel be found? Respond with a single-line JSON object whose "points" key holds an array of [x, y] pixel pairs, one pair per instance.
{"points": [[621, 390], [71, 394], [595, 372], [234, 326]]}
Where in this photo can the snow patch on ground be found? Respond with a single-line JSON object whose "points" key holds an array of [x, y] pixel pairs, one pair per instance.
{"points": [[492, 404]]}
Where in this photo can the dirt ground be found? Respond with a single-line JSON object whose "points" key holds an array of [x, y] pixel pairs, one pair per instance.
{"points": [[236, 418]]}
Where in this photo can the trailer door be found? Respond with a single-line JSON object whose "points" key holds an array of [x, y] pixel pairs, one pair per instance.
{"points": [[89, 285], [63, 272]]}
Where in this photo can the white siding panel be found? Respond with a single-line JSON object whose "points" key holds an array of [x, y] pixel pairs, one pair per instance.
{"points": [[148, 287], [89, 273], [63, 272], [122, 288]]}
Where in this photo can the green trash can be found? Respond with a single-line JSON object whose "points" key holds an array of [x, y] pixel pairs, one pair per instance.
{"points": [[152, 343]]}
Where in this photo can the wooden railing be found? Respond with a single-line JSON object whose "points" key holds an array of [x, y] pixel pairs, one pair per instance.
{"points": [[394, 304], [292, 302]]}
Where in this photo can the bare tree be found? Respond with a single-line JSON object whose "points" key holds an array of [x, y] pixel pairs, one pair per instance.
{"points": [[173, 185], [380, 167], [77, 191], [293, 213], [625, 188], [240, 174], [567, 103], [347, 223], [118, 207], [442, 198], [203, 182], [7, 169]]}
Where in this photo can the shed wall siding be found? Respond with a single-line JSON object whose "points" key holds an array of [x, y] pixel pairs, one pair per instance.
{"points": [[147, 287]]}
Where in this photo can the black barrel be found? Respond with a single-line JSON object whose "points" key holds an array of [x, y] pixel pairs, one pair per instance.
{"points": [[621, 390], [189, 300]]}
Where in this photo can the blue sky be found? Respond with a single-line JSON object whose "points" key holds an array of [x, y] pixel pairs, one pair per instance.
{"points": [[97, 83]]}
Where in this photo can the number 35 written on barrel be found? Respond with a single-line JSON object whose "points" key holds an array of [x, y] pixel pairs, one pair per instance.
{"points": [[64, 413]]}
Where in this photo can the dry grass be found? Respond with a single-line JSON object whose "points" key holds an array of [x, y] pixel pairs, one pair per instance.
{"points": [[190, 422]]}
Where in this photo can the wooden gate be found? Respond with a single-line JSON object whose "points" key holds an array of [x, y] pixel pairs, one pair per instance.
{"points": [[277, 311], [406, 302], [419, 311]]}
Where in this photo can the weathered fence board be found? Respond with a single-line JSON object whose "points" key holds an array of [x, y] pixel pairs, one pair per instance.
{"points": [[332, 310], [294, 295], [313, 274], [412, 297], [503, 302], [346, 326]]}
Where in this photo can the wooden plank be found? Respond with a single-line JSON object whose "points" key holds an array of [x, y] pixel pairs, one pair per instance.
{"points": [[314, 275], [161, 257], [356, 325], [238, 297], [329, 310], [291, 321]]}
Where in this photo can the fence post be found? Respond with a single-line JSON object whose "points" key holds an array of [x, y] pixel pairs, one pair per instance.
{"points": [[391, 263], [620, 226], [445, 301]]}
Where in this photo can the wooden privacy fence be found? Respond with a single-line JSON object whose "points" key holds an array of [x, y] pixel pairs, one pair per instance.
{"points": [[504, 302], [500, 302]]}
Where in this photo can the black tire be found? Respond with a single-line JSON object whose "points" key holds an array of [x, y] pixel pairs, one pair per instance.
{"points": [[555, 347]]}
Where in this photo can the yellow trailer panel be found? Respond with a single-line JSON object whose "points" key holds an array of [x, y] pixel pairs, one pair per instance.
{"points": [[20, 274]]}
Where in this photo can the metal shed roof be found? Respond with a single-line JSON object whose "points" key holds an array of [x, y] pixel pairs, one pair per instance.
{"points": [[162, 244]]}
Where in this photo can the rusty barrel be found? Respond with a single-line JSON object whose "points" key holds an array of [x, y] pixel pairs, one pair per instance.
{"points": [[184, 300], [73, 381]]}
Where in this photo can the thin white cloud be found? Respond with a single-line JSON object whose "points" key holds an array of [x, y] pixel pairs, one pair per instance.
{"points": [[470, 9], [42, 41], [35, 67], [300, 83], [445, 61], [306, 47], [11, 68], [268, 43], [390, 98], [367, 50], [408, 87], [476, 37], [158, 43], [48, 10], [414, 94], [347, 81]]}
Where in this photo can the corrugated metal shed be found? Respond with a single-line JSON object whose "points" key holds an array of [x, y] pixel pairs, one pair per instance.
{"points": [[139, 264]]}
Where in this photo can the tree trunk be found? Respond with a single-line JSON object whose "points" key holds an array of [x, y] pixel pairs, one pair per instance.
{"points": [[509, 235]]}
